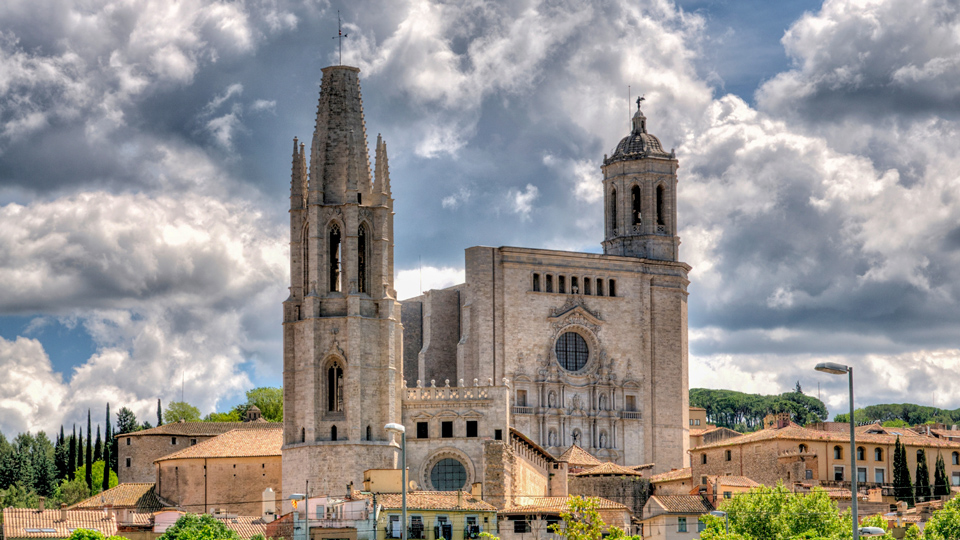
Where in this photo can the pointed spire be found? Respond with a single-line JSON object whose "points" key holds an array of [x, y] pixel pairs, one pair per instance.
{"points": [[381, 174], [296, 178], [338, 160]]}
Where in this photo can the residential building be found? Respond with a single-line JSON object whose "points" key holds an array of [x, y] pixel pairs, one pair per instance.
{"points": [[229, 472], [675, 482], [720, 488], [625, 485], [710, 435], [432, 515], [347, 518], [674, 517], [533, 518], [549, 347]]}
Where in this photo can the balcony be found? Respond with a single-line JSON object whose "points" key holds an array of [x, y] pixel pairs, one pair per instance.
{"points": [[630, 414], [522, 410]]}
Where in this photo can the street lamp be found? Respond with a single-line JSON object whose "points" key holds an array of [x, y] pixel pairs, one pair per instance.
{"points": [[721, 513], [840, 369], [398, 428]]}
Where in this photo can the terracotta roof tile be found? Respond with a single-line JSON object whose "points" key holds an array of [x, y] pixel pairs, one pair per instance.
{"points": [[236, 443], [140, 497], [578, 457], [797, 433], [246, 526], [609, 469], [432, 500], [680, 504], [669, 476], [528, 505], [735, 481], [201, 429], [30, 523]]}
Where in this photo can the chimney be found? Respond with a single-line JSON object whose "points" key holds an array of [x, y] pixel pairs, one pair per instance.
{"points": [[63, 512], [40, 505], [476, 490]]}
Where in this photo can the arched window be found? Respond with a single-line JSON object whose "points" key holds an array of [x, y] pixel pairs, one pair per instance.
{"points": [[599, 287], [362, 259], [613, 211], [574, 285], [637, 217], [956, 458], [586, 286], [837, 452], [334, 246], [333, 433], [878, 454], [803, 448], [861, 453], [536, 283], [661, 220], [369, 434], [335, 387], [572, 351]]}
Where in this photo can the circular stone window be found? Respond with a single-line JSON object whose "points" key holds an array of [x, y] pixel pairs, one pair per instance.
{"points": [[448, 474], [572, 351]]}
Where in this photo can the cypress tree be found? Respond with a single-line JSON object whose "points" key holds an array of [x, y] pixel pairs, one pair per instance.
{"points": [[61, 454], [88, 477], [923, 477], [98, 447], [80, 448], [72, 458], [159, 414], [106, 454], [940, 485]]}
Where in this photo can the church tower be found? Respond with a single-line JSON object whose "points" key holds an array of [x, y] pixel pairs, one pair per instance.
{"points": [[341, 332], [640, 197]]}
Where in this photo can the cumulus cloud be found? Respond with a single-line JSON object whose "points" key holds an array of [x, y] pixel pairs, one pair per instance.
{"points": [[413, 282]]}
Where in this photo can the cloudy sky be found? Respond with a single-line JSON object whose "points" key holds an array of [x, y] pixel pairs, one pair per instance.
{"points": [[145, 153]]}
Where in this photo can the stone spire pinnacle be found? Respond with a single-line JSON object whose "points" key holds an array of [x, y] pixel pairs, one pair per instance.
{"points": [[381, 172]]}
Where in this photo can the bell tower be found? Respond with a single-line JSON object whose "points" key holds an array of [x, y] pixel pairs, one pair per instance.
{"points": [[640, 196], [341, 330]]}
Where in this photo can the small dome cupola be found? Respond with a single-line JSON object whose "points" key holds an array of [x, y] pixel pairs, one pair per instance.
{"points": [[639, 144]]}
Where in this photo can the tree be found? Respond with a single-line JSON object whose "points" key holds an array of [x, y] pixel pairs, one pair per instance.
{"points": [[61, 455], [80, 447], [18, 496], [159, 417], [194, 527], [105, 483], [902, 486], [944, 524], [923, 477], [877, 520], [268, 400], [941, 486], [72, 461], [178, 410], [913, 533], [44, 474], [73, 491], [98, 447], [146, 425], [232, 416], [797, 388], [765, 513], [582, 521], [126, 421], [89, 457], [96, 476]]}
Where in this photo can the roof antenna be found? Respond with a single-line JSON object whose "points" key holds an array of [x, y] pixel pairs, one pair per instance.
{"points": [[629, 95], [340, 35]]}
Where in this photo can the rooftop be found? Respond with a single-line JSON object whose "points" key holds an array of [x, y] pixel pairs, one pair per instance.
{"points": [[609, 469], [200, 429], [137, 496], [578, 457], [670, 476], [30, 523], [678, 504], [554, 505], [236, 443], [432, 500], [798, 433]]}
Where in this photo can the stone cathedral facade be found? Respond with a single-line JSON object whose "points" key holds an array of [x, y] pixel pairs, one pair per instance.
{"points": [[538, 348]]}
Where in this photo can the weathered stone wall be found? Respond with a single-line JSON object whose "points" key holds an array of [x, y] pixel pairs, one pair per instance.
{"points": [[411, 315], [234, 484], [498, 461], [630, 491], [441, 333], [143, 450]]}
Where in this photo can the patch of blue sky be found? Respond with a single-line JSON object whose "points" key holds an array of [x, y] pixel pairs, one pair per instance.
{"points": [[68, 345]]}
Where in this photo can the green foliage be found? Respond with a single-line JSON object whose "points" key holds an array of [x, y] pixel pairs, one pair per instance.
{"points": [[922, 491], [775, 513], [902, 485], [96, 474], [581, 520], [18, 496], [127, 421], [908, 413], [232, 416], [859, 418], [194, 527], [177, 410], [73, 491], [745, 412], [269, 401], [87, 534], [944, 524], [941, 484], [877, 520], [895, 423], [913, 533]]}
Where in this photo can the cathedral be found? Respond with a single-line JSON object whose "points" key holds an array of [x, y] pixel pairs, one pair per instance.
{"points": [[536, 352]]}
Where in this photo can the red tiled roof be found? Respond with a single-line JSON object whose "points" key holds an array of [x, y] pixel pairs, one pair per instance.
{"points": [[532, 505], [200, 429], [432, 500], [679, 504], [236, 443], [735, 481], [797, 433], [138, 496], [245, 526], [578, 457], [609, 469], [30, 523], [669, 476]]}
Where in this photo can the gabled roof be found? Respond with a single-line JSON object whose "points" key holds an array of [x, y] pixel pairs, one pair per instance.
{"points": [[30, 523], [670, 476], [609, 469], [236, 443], [736, 481], [677, 504], [578, 457], [200, 429], [140, 497], [554, 505], [432, 500], [801, 434]]}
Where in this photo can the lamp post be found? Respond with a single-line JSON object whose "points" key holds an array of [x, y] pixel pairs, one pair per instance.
{"points": [[721, 513], [840, 369], [398, 428]]}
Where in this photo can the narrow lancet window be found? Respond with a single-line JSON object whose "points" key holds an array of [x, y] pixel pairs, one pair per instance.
{"points": [[661, 220], [334, 245], [335, 388], [635, 194], [613, 211], [362, 259], [305, 259], [536, 283]]}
